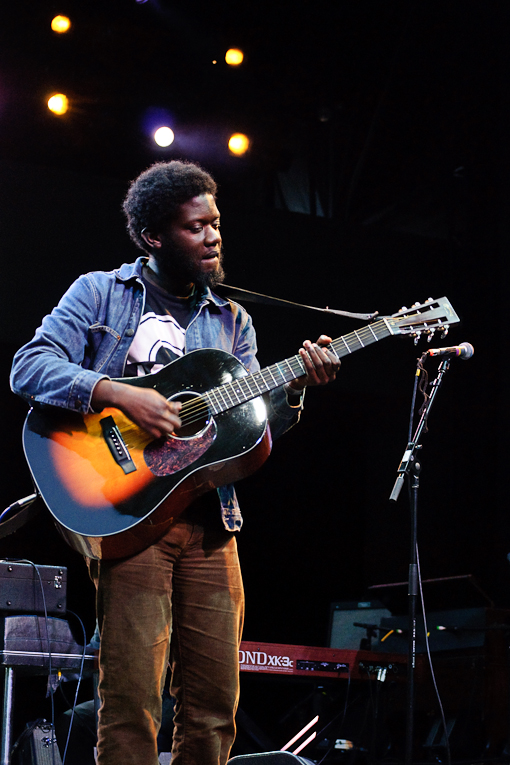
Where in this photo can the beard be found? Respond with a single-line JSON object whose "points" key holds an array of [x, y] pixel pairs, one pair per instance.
{"points": [[176, 267]]}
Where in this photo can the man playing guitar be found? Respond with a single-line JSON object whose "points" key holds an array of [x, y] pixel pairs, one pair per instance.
{"points": [[179, 600]]}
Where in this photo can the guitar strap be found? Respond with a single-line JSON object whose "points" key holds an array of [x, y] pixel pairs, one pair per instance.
{"points": [[256, 297]]}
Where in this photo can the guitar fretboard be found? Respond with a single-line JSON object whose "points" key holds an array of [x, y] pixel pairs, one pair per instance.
{"points": [[224, 397]]}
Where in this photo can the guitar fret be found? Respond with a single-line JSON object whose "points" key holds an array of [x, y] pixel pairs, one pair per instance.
{"points": [[290, 367], [277, 367], [272, 376], [253, 388], [256, 379], [247, 392], [361, 343], [267, 381], [345, 343], [223, 393], [233, 387], [372, 331], [280, 371], [389, 326], [212, 400], [227, 402]]}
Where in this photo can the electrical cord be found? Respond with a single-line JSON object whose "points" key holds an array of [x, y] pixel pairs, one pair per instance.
{"points": [[51, 690], [342, 714], [429, 657], [80, 676]]}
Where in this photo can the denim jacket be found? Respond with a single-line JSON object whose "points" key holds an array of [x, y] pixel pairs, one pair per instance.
{"points": [[86, 338]]}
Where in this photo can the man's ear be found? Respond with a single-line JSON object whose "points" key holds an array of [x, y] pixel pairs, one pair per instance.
{"points": [[152, 240]]}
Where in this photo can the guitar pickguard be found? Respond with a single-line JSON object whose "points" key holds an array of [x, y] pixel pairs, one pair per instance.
{"points": [[169, 455]]}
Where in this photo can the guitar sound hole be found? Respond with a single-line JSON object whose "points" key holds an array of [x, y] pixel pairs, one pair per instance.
{"points": [[194, 414]]}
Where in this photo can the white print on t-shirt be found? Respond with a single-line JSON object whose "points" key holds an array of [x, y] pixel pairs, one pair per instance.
{"points": [[156, 334]]}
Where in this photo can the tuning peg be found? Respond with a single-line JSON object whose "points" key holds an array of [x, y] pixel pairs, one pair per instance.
{"points": [[444, 332]]}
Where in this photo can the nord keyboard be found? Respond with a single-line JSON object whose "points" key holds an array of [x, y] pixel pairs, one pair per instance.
{"points": [[303, 661]]}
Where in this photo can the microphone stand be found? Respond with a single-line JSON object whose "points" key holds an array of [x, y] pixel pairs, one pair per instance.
{"points": [[411, 466]]}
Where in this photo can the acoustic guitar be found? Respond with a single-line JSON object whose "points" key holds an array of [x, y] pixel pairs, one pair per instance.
{"points": [[113, 490]]}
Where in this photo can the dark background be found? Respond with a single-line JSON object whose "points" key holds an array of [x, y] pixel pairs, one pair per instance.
{"points": [[377, 176]]}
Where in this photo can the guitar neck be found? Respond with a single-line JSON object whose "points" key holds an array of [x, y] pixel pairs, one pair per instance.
{"points": [[225, 397]]}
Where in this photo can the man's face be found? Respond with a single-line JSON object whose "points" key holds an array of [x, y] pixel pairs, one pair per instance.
{"points": [[189, 248]]}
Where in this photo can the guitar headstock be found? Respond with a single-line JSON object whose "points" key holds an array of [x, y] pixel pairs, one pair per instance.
{"points": [[424, 319]]}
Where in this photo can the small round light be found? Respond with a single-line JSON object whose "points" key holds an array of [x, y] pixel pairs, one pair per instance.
{"points": [[234, 56], [238, 144], [164, 136], [61, 24], [58, 103]]}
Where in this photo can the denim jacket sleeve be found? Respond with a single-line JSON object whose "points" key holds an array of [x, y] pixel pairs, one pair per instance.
{"points": [[58, 366]]}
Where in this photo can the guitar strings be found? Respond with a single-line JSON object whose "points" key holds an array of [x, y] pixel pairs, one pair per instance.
{"points": [[239, 391], [226, 395], [254, 385]]}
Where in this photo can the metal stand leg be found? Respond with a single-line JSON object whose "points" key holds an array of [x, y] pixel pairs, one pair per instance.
{"points": [[7, 715]]}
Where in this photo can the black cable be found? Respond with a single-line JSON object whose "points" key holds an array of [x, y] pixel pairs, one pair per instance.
{"points": [[51, 691], [420, 372], [431, 666], [80, 676], [81, 719], [343, 714], [50, 667]]}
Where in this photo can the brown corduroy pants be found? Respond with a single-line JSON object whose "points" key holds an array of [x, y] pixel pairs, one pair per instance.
{"points": [[180, 601]]}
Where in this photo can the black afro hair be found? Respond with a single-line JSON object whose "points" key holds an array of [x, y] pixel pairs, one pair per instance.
{"points": [[154, 196]]}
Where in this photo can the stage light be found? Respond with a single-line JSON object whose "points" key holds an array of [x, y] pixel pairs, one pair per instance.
{"points": [[58, 103], [164, 136], [234, 56], [61, 24], [238, 144]]}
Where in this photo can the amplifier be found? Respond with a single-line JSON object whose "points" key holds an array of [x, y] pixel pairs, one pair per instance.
{"points": [[39, 746], [21, 590], [345, 614]]}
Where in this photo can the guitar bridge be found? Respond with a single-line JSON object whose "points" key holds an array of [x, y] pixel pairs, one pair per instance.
{"points": [[117, 445]]}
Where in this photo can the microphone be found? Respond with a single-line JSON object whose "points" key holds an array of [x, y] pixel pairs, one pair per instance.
{"points": [[463, 351]]}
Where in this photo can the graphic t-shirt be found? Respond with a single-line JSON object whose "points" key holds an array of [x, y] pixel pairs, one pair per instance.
{"points": [[160, 337]]}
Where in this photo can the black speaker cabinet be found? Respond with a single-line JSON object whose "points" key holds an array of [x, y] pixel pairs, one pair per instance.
{"points": [[25, 590]]}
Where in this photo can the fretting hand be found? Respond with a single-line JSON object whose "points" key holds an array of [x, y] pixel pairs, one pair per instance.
{"points": [[321, 364]]}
